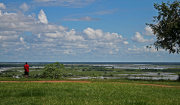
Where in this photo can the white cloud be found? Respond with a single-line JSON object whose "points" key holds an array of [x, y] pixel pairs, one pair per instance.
{"points": [[153, 49], [8, 38], [49, 40], [100, 35], [126, 42], [7, 33], [93, 34], [139, 38], [21, 39], [113, 36], [148, 31], [39, 35], [65, 35], [17, 22], [135, 49], [71, 36], [62, 28], [144, 49], [55, 37], [24, 7], [42, 17], [2, 6], [104, 42]]}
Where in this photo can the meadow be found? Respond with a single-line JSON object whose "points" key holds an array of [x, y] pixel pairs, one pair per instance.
{"points": [[94, 93], [98, 92]]}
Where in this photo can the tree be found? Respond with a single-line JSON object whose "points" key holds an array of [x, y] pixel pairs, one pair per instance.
{"points": [[167, 26], [53, 71]]}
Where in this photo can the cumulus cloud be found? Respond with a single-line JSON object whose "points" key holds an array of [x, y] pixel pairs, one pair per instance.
{"points": [[72, 36], [143, 49], [2, 6], [56, 38], [24, 7], [139, 38], [21, 23], [8, 38], [6, 33], [126, 42], [93, 34], [42, 17], [148, 31], [67, 52], [109, 42], [65, 35], [54, 35], [135, 50], [99, 34]]}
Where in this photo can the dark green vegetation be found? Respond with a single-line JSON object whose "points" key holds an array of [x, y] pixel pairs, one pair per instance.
{"points": [[96, 93], [53, 71], [167, 26]]}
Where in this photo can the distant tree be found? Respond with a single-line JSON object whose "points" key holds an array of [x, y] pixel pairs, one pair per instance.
{"points": [[53, 71], [167, 26]]}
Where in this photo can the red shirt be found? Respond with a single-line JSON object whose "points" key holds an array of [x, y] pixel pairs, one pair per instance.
{"points": [[26, 67]]}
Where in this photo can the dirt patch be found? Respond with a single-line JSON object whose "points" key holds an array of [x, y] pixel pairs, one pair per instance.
{"points": [[46, 81], [87, 82], [160, 85]]}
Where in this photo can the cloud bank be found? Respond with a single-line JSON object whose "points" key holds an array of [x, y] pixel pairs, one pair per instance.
{"points": [[27, 32]]}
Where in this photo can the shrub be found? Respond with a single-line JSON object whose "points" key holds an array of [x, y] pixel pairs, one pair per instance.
{"points": [[178, 77], [53, 71]]}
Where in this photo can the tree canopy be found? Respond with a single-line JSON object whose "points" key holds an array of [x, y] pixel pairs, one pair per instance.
{"points": [[166, 26]]}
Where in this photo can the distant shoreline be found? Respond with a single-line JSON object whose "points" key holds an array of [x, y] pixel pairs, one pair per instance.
{"points": [[153, 63]]}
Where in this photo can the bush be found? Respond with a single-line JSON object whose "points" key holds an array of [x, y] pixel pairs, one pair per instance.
{"points": [[53, 71], [178, 77]]}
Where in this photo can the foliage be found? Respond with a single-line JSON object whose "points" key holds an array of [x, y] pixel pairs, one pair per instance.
{"points": [[167, 26], [53, 71], [178, 77]]}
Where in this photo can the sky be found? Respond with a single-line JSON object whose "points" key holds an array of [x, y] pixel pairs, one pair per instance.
{"points": [[79, 31]]}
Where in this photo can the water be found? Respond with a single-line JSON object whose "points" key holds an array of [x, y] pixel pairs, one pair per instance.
{"points": [[120, 65], [155, 76], [143, 76]]}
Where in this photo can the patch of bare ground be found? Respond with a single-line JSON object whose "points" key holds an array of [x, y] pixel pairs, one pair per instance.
{"points": [[45, 81], [158, 85]]}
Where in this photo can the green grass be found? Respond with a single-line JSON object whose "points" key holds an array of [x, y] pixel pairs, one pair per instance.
{"points": [[96, 93]]}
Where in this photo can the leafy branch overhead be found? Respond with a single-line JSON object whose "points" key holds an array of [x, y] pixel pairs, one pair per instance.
{"points": [[166, 26]]}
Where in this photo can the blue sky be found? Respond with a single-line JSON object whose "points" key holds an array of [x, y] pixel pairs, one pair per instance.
{"points": [[79, 30]]}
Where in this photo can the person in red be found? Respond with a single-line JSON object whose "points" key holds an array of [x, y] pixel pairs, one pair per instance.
{"points": [[26, 70]]}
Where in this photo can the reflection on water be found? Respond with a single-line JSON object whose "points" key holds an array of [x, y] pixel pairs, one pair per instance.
{"points": [[155, 76], [144, 76]]}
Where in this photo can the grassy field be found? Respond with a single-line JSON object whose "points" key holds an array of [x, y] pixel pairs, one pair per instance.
{"points": [[99, 92], [95, 93]]}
